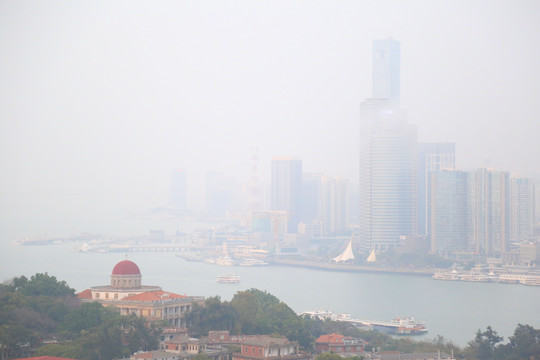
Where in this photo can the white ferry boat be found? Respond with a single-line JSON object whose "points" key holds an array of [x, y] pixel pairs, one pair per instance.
{"points": [[531, 281], [225, 260], [228, 279], [397, 326], [252, 262]]}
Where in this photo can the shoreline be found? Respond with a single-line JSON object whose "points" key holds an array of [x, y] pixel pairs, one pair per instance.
{"points": [[351, 268]]}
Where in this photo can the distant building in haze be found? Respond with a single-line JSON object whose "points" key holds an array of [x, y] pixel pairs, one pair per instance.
{"points": [[386, 69], [490, 199], [287, 189], [432, 157], [324, 202], [334, 205], [522, 208], [387, 188], [388, 156], [178, 189], [450, 218], [221, 194]]}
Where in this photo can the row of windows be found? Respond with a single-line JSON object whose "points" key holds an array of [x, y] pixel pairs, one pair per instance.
{"points": [[106, 296]]}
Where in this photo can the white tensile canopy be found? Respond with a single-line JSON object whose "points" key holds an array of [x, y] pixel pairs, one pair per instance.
{"points": [[346, 255], [371, 258]]}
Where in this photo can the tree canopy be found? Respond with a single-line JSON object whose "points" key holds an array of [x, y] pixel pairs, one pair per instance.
{"points": [[43, 308]]}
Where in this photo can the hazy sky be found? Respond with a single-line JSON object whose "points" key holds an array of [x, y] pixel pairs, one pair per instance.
{"points": [[100, 100]]}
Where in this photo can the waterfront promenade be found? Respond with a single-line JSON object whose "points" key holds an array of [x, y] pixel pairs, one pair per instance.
{"points": [[353, 268]]}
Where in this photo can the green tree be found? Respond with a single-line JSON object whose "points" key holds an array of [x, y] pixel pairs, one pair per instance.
{"points": [[42, 284], [524, 344], [214, 315], [328, 356], [484, 344]]}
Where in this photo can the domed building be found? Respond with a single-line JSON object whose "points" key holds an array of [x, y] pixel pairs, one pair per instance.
{"points": [[129, 296]]}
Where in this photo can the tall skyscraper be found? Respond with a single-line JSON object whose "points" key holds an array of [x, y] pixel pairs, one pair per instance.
{"points": [[388, 155], [177, 193], [287, 189], [386, 69], [432, 157]]}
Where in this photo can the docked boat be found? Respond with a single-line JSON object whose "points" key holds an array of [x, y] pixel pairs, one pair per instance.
{"points": [[445, 275], [531, 281], [400, 326], [397, 326], [225, 260], [253, 262], [228, 279]]}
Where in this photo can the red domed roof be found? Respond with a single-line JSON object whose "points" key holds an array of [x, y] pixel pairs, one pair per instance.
{"points": [[126, 267]]}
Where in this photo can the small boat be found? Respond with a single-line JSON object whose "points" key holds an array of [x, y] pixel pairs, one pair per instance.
{"points": [[228, 279]]}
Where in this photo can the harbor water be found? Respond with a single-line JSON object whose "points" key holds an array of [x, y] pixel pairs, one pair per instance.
{"points": [[454, 310]]}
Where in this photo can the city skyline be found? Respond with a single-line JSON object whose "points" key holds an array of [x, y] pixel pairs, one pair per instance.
{"points": [[97, 110]]}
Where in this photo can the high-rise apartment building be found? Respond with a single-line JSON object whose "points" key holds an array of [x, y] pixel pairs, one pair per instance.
{"points": [[324, 202], [287, 189], [386, 69], [432, 157], [489, 196], [449, 219], [334, 205], [522, 208]]}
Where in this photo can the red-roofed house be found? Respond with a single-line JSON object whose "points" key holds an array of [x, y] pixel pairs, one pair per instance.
{"points": [[263, 347], [342, 345], [129, 296]]}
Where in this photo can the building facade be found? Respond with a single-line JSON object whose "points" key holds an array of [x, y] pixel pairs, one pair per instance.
{"points": [[127, 294], [387, 189], [287, 189], [345, 346], [522, 209], [449, 214], [268, 347], [432, 157]]}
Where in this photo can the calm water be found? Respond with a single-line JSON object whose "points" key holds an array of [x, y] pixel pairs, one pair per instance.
{"points": [[454, 310]]}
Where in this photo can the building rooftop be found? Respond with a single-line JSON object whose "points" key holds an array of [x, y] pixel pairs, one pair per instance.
{"points": [[159, 295], [264, 340], [85, 294], [126, 267]]}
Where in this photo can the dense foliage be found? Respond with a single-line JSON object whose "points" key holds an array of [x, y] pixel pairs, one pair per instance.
{"points": [[41, 310], [249, 312]]}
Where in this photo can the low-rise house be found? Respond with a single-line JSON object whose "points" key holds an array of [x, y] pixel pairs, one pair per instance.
{"points": [[183, 343], [266, 347], [345, 346], [155, 355], [186, 347]]}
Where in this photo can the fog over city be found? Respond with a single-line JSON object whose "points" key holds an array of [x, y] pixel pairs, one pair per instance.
{"points": [[100, 100]]}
